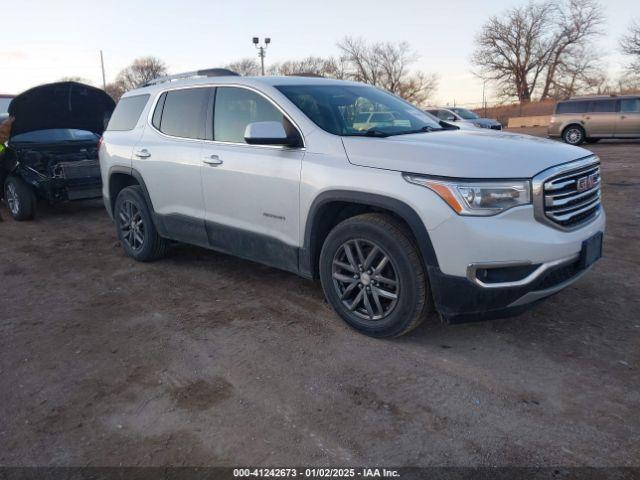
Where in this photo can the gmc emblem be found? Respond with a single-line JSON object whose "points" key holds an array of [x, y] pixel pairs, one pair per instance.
{"points": [[585, 183]]}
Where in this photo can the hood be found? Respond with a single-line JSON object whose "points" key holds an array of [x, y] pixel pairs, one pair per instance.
{"points": [[61, 105], [462, 153]]}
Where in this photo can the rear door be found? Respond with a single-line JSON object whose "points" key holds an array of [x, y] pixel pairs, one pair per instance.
{"points": [[601, 119], [251, 192], [169, 158], [629, 119]]}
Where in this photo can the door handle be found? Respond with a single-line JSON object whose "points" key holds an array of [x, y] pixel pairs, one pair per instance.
{"points": [[213, 160], [622, 117], [144, 153], [587, 118]]}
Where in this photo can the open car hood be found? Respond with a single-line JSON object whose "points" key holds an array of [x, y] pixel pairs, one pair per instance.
{"points": [[61, 105]]}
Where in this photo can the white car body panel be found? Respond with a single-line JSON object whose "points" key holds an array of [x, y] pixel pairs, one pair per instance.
{"points": [[270, 191]]}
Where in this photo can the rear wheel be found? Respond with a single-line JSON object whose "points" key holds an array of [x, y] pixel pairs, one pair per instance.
{"points": [[20, 198], [373, 277], [136, 231], [573, 135]]}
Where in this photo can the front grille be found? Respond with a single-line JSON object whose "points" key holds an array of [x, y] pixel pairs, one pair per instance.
{"points": [[572, 198]]}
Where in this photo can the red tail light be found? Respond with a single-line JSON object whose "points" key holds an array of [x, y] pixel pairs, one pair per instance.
{"points": [[100, 143]]}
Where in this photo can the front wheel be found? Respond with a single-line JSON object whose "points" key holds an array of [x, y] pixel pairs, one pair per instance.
{"points": [[20, 198], [373, 277]]}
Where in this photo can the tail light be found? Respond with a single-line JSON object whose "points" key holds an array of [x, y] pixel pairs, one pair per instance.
{"points": [[100, 142]]}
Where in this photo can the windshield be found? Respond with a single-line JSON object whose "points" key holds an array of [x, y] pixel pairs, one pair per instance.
{"points": [[466, 114], [358, 110], [55, 135], [4, 104]]}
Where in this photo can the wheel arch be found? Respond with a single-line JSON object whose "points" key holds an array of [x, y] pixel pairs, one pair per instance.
{"points": [[120, 178], [334, 206], [574, 123]]}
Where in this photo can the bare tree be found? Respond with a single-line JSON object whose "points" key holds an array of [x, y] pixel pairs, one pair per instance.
{"points": [[115, 90], [630, 44], [578, 21], [246, 67], [386, 65], [316, 66], [513, 50], [140, 71], [76, 78]]}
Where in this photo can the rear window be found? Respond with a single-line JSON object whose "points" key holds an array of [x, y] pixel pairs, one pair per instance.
{"points": [[127, 112], [572, 107], [630, 105], [183, 113]]}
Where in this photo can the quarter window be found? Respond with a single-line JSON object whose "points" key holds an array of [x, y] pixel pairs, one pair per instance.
{"points": [[630, 105], [183, 113], [127, 112]]}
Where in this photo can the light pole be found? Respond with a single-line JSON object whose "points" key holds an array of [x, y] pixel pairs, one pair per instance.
{"points": [[261, 50]]}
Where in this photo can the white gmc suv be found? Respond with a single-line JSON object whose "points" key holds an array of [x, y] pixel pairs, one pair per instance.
{"points": [[399, 219]]}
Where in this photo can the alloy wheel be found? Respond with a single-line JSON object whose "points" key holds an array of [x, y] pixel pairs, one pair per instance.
{"points": [[131, 225], [12, 199], [365, 279], [574, 136]]}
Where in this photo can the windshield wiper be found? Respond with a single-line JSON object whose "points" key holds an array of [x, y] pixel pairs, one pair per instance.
{"points": [[426, 128], [374, 132]]}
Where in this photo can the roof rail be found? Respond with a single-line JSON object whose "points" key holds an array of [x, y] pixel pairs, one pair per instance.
{"points": [[208, 72]]}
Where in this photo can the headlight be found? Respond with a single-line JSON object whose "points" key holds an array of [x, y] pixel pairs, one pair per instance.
{"points": [[477, 198]]}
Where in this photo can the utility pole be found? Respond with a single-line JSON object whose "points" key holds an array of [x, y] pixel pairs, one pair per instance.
{"points": [[104, 80], [262, 50]]}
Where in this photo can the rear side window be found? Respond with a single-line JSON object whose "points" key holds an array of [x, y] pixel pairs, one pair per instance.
{"points": [[183, 113], [235, 108], [127, 112], [630, 105], [603, 106], [572, 107]]}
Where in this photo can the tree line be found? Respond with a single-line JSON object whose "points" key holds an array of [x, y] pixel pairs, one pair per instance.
{"points": [[548, 50], [384, 64], [543, 49]]}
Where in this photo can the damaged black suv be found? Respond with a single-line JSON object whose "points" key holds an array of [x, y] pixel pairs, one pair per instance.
{"points": [[52, 152]]}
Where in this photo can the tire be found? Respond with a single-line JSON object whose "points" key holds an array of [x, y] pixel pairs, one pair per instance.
{"points": [[20, 198], [573, 135], [346, 286], [592, 140], [136, 230]]}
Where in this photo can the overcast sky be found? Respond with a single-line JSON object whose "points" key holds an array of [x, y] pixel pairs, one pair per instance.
{"points": [[43, 41]]}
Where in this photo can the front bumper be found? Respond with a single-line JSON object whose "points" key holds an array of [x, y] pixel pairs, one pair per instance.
{"points": [[463, 300]]}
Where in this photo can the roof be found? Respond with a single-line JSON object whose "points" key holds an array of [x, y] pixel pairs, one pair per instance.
{"points": [[239, 80], [599, 97]]}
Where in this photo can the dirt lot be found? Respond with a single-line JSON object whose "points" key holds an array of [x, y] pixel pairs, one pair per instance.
{"points": [[205, 359]]}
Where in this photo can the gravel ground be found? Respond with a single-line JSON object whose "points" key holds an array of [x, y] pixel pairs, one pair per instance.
{"points": [[205, 359]]}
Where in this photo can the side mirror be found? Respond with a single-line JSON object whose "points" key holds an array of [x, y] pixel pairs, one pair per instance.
{"points": [[268, 133], [451, 118]]}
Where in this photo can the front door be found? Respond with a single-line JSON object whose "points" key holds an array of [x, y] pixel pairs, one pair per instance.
{"points": [[629, 121], [251, 192]]}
